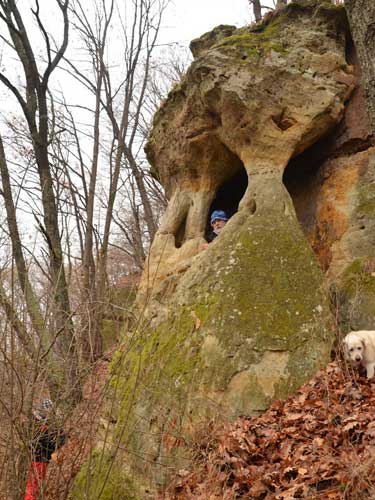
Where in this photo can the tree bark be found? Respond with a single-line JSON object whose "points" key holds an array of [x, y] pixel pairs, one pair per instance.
{"points": [[257, 9], [361, 14], [31, 300]]}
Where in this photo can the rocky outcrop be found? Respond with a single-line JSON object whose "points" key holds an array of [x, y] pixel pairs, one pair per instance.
{"points": [[225, 331], [254, 100], [331, 185], [200, 45]]}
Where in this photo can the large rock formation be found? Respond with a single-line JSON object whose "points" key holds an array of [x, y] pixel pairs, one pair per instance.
{"points": [[227, 330], [255, 99]]}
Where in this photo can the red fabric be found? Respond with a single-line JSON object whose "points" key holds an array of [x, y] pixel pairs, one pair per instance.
{"points": [[37, 473]]}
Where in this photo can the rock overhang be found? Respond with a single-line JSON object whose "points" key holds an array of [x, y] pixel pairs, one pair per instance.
{"points": [[253, 98], [225, 94]]}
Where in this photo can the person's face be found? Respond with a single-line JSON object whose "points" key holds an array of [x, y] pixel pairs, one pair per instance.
{"points": [[218, 225]]}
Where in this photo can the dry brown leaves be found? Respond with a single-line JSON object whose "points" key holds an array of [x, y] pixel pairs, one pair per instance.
{"points": [[319, 444]]}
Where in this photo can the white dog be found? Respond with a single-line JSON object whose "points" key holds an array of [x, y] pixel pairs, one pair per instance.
{"points": [[360, 349]]}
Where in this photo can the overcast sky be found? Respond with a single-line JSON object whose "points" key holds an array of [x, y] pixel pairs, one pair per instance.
{"points": [[188, 19], [183, 21]]}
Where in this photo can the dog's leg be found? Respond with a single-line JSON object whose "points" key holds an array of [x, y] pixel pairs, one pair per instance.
{"points": [[370, 369]]}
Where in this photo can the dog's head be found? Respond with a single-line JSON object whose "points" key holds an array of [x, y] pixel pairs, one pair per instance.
{"points": [[354, 347]]}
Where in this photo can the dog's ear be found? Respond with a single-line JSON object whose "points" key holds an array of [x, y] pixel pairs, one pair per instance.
{"points": [[345, 341], [345, 347], [363, 340]]}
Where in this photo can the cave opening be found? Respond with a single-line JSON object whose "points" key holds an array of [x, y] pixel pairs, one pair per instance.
{"points": [[316, 180], [229, 195], [180, 233], [304, 178]]}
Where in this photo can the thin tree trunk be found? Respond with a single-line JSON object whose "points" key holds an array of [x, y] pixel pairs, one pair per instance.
{"points": [[257, 10], [50, 217], [91, 337], [361, 15], [32, 301]]}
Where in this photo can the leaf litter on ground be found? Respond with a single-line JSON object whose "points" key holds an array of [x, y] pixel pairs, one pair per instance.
{"points": [[317, 444]]}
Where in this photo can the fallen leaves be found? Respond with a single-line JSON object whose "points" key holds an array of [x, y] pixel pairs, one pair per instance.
{"points": [[318, 444]]}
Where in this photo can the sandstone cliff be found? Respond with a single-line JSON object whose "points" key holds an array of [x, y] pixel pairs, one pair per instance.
{"points": [[269, 124]]}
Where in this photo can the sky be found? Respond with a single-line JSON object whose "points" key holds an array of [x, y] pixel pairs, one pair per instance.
{"points": [[189, 19], [183, 21]]}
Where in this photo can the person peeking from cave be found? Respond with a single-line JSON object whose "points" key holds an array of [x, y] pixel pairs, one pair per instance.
{"points": [[45, 441], [217, 221]]}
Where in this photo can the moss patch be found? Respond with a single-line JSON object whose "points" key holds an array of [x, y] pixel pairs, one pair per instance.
{"points": [[355, 296], [257, 295], [102, 477], [245, 43], [256, 41]]}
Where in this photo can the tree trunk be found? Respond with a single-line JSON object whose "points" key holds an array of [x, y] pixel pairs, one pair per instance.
{"points": [[91, 329], [361, 15], [32, 301], [257, 10]]}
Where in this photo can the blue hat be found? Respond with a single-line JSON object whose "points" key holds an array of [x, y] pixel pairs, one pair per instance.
{"points": [[218, 215]]}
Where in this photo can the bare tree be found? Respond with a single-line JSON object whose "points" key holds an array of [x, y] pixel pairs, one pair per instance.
{"points": [[33, 102], [118, 132], [257, 9]]}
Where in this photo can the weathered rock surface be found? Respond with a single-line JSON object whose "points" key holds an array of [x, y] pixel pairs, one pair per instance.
{"points": [[200, 45], [227, 330], [332, 187], [339, 222], [253, 100]]}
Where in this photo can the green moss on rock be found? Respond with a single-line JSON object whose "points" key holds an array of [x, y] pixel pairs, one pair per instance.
{"points": [[102, 477], [355, 296], [253, 44], [250, 324]]}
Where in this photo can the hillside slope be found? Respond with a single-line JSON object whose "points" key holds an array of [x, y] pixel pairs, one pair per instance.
{"points": [[318, 444]]}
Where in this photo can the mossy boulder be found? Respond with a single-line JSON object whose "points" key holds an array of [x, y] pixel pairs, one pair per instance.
{"points": [[254, 98], [247, 323]]}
